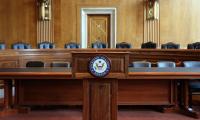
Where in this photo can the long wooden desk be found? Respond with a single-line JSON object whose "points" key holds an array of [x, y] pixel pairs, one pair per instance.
{"points": [[134, 74], [184, 75], [123, 86]]}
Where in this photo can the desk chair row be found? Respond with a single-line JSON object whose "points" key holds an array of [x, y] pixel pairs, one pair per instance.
{"points": [[42, 64], [48, 45]]}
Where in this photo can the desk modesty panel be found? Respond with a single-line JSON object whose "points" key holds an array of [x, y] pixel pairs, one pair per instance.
{"points": [[155, 86]]}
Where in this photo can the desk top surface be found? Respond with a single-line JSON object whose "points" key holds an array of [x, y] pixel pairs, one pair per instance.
{"points": [[131, 69], [156, 69], [36, 69]]}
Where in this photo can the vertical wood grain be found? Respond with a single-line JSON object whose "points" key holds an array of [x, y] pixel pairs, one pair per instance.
{"points": [[45, 29], [153, 31], [179, 21]]}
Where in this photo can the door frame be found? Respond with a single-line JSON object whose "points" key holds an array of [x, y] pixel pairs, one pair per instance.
{"points": [[113, 23]]}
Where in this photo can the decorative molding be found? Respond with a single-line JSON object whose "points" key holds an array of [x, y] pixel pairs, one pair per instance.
{"points": [[45, 29], [113, 26], [151, 28]]}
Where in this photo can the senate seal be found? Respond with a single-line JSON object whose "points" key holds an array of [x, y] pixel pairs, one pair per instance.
{"points": [[99, 66]]}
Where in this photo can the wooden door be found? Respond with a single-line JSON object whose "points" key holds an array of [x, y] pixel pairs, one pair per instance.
{"points": [[98, 29]]}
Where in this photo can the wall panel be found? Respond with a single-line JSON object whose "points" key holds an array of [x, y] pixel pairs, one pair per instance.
{"points": [[18, 21], [179, 21]]}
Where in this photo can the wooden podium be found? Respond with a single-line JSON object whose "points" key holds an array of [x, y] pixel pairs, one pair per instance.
{"points": [[100, 94]]}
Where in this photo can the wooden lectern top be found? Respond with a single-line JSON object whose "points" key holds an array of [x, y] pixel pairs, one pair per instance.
{"points": [[119, 63]]}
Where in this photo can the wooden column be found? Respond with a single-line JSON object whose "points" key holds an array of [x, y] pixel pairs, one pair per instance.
{"points": [[100, 99]]}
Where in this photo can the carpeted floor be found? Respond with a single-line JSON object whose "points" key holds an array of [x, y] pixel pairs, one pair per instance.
{"points": [[77, 115]]}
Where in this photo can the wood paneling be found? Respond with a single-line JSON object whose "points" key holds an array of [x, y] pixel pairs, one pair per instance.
{"points": [[179, 21], [18, 21], [51, 92], [100, 99], [159, 94]]}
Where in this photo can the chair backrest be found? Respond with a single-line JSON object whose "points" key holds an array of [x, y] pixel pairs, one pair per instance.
{"points": [[191, 64], [46, 45], [149, 45], [140, 64], [34, 64], [164, 64], [60, 64], [195, 45], [123, 45], [21, 45], [98, 44], [72, 45], [170, 45], [2, 46]]}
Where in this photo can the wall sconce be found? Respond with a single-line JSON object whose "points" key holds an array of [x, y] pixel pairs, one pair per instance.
{"points": [[152, 9], [44, 9]]}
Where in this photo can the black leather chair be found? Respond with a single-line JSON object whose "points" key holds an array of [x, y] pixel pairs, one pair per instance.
{"points": [[195, 45], [34, 64], [99, 44], [123, 45], [60, 64], [170, 45], [140, 64], [164, 64], [149, 45], [46, 45], [2, 46], [21, 45], [72, 45], [194, 85]]}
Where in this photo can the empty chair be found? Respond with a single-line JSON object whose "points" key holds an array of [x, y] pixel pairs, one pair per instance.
{"points": [[191, 64], [46, 45], [2, 46], [98, 44], [194, 85], [164, 64], [149, 45], [123, 45], [170, 45], [140, 64], [34, 64], [60, 64], [21, 45], [195, 45], [72, 45]]}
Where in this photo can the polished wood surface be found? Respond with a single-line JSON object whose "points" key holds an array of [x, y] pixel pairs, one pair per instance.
{"points": [[119, 63], [101, 99], [146, 92]]}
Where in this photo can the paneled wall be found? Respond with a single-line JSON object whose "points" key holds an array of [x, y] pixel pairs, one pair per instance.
{"points": [[179, 21], [18, 21]]}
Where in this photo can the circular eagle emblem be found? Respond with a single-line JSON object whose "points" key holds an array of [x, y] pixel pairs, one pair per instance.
{"points": [[99, 66]]}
